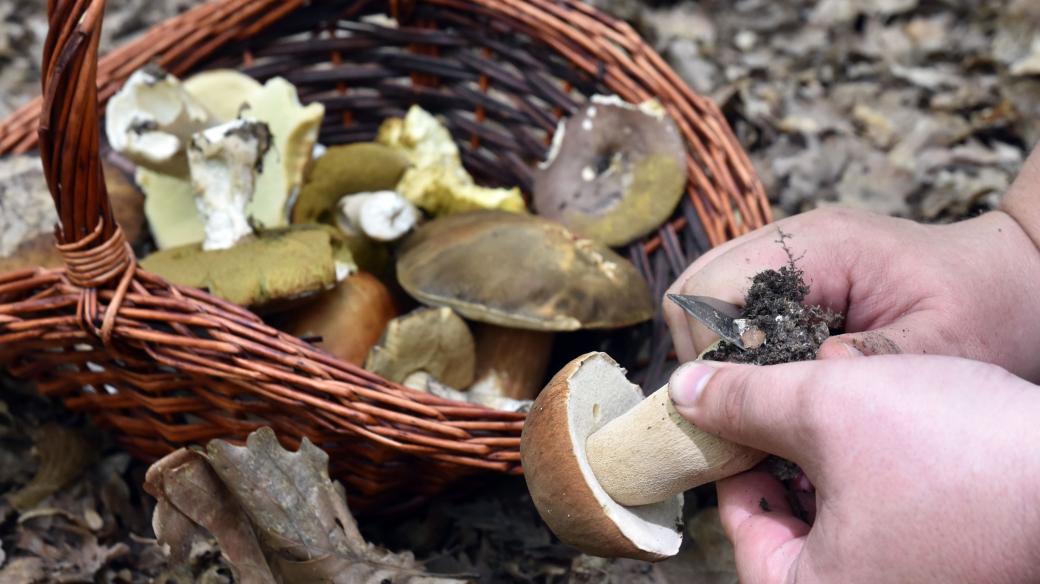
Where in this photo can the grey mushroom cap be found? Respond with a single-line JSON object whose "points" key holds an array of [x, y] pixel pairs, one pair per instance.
{"points": [[617, 172], [521, 271]]}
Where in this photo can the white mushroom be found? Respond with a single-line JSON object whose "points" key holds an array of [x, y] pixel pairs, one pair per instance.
{"points": [[382, 215], [224, 161], [151, 121]]}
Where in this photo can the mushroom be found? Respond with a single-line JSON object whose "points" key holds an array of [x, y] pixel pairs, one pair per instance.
{"points": [[345, 170], [436, 181], [434, 341], [151, 119], [606, 468], [262, 270], [223, 91], [350, 318], [383, 216], [170, 200], [294, 131], [425, 382], [615, 172], [527, 276], [224, 161]]}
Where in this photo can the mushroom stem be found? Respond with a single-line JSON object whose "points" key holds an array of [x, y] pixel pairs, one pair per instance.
{"points": [[651, 453], [511, 362]]}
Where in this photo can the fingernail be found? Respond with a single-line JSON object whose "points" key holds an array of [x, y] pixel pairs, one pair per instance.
{"points": [[688, 382], [852, 351]]}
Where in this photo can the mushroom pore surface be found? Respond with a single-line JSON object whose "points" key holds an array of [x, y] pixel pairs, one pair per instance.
{"points": [[585, 395]]}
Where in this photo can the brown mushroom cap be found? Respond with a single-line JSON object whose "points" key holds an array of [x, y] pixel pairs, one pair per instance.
{"points": [[586, 394], [616, 174], [350, 318], [521, 271]]}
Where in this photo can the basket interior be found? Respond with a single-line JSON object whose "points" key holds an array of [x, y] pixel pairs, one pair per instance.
{"points": [[501, 93]]}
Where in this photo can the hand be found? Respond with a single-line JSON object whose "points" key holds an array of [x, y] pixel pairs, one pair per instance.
{"points": [[968, 289], [920, 476]]}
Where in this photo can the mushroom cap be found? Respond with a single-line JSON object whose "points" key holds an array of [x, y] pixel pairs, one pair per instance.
{"points": [[350, 318], [276, 265], [521, 271], [616, 173], [586, 394], [345, 170], [433, 340]]}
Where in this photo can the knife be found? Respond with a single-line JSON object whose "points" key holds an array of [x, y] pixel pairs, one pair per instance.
{"points": [[723, 318]]}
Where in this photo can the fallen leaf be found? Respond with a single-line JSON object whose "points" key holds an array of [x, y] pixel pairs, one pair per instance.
{"points": [[276, 514], [63, 454]]}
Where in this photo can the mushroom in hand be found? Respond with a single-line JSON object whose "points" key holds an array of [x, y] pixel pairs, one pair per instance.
{"points": [[606, 468]]}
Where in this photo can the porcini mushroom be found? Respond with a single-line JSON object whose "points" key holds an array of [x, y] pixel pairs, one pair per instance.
{"points": [[224, 161], [261, 269], [350, 318], [525, 275], [434, 341], [615, 173], [223, 91], [170, 200], [606, 468], [151, 119], [345, 170]]}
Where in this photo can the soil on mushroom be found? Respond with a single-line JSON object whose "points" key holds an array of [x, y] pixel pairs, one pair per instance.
{"points": [[775, 305]]}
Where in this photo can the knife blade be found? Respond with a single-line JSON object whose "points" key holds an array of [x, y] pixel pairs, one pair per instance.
{"points": [[723, 318]]}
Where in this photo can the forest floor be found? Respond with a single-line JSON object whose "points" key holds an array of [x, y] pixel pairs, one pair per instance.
{"points": [[922, 109]]}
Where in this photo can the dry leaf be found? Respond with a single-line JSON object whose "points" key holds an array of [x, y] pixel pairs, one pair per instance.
{"points": [[63, 453], [276, 514]]}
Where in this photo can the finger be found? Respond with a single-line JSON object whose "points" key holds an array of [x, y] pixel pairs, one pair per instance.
{"points": [[772, 408], [913, 333], [767, 538], [828, 263], [674, 316]]}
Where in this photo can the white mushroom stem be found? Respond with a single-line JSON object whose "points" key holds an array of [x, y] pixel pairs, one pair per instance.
{"points": [[511, 362], [224, 161], [151, 121], [382, 216], [651, 453]]}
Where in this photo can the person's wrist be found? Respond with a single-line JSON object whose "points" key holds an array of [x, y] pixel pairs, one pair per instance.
{"points": [[1004, 252], [1021, 202]]}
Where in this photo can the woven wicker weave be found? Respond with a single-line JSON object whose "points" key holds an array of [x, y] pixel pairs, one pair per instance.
{"points": [[165, 366]]}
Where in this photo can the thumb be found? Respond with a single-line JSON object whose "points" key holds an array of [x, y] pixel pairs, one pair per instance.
{"points": [[771, 408]]}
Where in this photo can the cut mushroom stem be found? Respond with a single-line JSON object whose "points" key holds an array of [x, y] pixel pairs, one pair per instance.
{"points": [[224, 162], [511, 362], [670, 456], [382, 216], [606, 467]]}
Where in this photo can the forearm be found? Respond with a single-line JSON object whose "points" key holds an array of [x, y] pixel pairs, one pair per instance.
{"points": [[1022, 200]]}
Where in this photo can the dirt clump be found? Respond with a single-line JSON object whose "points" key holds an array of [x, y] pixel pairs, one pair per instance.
{"points": [[774, 305]]}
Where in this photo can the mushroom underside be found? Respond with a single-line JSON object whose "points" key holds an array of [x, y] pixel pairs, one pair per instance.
{"points": [[583, 397]]}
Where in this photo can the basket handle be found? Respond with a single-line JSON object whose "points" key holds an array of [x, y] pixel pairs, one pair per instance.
{"points": [[91, 243]]}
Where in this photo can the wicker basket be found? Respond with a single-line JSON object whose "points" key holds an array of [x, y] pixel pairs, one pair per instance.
{"points": [[165, 366]]}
